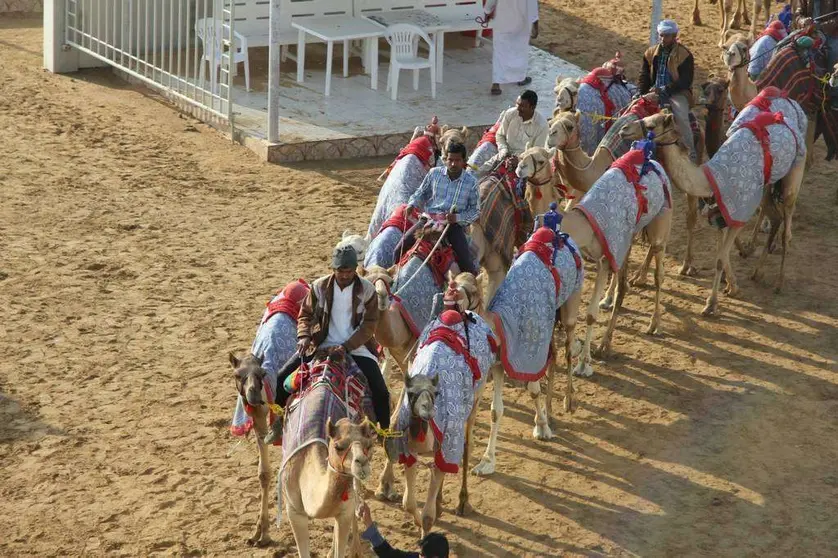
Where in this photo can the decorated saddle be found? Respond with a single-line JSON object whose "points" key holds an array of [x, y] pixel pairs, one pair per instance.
{"points": [[275, 342], [760, 151], [383, 244], [524, 307], [505, 216], [612, 141], [458, 351], [601, 92], [623, 201], [487, 148], [408, 170], [329, 389]]}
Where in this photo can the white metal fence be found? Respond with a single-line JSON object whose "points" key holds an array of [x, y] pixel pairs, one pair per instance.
{"points": [[180, 46]]}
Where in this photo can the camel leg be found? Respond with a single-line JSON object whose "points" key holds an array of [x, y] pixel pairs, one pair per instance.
{"points": [[746, 249], [608, 300], [775, 219], [299, 526], [487, 463], [726, 240], [687, 267], [791, 187], [725, 22], [463, 506], [496, 273], [551, 374], [639, 278], [622, 286], [811, 125], [343, 528], [568, 313], [654, 324], [583, 368], [541, 430], [386, 484], [260, 424], [429, 511], [409, 498], [696, 14]]}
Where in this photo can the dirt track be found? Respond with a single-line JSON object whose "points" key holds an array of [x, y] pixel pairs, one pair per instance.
{"points": [[137, 247]]}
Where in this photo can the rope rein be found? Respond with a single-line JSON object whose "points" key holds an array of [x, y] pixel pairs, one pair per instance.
{"points": [[424, 263]]}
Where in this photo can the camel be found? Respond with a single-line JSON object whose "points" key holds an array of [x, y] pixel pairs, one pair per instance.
{"points": [[566, 90], [691, 179], [249, 374], [657, 231], [734, 20], [318, 482]]}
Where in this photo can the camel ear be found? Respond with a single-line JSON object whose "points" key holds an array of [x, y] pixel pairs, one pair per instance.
{"points": [[234, 361], [367, 431], [667, 119], [345, 234], [435, 380], [464, 131], [331, 431], [391, 270]]}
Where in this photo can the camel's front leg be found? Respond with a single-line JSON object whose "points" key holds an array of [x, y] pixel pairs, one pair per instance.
{"points": [[654, 324], [622, 286], [568, 313], [493, 264], [487, 463], [260, 424], [299, 526], [541, 430], [687, 267], [343, 528], [463, 506], [409, 498], [726, 239], [607, 301], [791, 188], [583, 368], [429, 513], [386, 484]]}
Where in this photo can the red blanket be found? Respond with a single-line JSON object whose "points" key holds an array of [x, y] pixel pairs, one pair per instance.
{"points": [[441, 261]]}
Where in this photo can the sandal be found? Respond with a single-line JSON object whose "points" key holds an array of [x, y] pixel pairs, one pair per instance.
{"points": [[496, 90], [527, 81]]}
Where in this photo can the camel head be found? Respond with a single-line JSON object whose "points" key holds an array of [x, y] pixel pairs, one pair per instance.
{"points": [[452, 135], [381, 280], [714, 92], [471, 295], [833, 78], [564, 130], [350, 446], [662, 124], [358, 242], [735, 53], [534, 161], [534, 164], [421, 394], [566, 90], [248, 373]]}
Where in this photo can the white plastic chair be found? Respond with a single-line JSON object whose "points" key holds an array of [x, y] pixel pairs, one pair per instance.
{"points": [[404, 48], [209, 25]]}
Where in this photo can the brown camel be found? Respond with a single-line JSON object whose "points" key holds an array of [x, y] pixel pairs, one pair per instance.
{"points": [[318, 482], [249, 375], [691, 179], [733, 19]]}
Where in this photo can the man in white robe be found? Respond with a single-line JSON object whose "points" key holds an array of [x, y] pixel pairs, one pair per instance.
{"points": [[515, 22]]}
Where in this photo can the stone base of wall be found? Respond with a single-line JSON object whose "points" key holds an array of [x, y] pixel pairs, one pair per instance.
{"points": [[24, 6]]}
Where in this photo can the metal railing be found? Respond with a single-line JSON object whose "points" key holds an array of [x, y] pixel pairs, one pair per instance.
{"points": [[183, 47]]}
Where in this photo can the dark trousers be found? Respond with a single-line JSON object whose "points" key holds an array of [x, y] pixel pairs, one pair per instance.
{"points": [[456, 238], [370, 370]]}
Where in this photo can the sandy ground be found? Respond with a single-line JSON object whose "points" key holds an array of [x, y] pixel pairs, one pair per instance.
{"points": [[137, 247]]}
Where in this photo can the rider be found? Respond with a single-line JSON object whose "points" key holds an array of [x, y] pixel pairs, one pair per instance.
{"points": [[451, 193], [339, 315], [520, 127], [667, 78]]}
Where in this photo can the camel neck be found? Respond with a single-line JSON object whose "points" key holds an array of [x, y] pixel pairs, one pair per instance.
{"points": [[742, 89], [683, 173]]}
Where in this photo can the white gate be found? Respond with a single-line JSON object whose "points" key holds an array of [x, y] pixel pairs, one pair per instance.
{"points": [[182, 47]]}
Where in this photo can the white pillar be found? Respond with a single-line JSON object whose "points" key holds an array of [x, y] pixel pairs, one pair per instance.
{"points": [[273, 74], [657, 8], [59, 57]]}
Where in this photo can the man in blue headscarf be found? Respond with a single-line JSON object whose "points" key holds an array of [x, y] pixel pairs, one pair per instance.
{"points": [[667, 78]]}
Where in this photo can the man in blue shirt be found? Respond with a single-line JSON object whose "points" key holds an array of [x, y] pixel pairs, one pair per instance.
{"points": [[434, 545], [451, 193]]}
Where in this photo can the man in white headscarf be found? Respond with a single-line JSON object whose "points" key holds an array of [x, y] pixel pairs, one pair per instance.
{"points": [[516, 21], [667, 78]]}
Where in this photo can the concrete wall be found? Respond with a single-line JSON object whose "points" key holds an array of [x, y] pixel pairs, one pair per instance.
{"points": [[21, 6]]}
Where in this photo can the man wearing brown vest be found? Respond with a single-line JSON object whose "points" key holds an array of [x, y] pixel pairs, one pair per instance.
{"points": [[667, 78]]}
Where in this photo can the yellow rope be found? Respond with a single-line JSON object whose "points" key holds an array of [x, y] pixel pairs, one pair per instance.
{"points": [[596, 117], [276, 409], [385, 433]]}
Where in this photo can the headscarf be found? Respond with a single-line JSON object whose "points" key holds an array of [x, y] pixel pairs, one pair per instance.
{"points": [[667, 27]]}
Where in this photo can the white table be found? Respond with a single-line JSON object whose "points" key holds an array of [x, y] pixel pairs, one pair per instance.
{"points": [[425, 20], [338, 28]]}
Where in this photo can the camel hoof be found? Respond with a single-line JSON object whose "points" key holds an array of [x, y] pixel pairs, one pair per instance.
{"points": [[709, 309], [757, 275], [484, 468], [747, 250], [464, 509], [583, 370], [765, 226], [542, 432], [259, 542], [602, 351], [697, 20], [387, 494], [427, 525], [638, 280], [688, 270], [606, 303]]}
